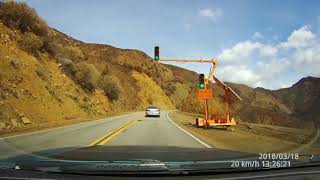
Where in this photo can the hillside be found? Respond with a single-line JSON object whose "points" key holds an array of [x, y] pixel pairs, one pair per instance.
{"points": [[49, 77], [295, 106], [303, 98]]}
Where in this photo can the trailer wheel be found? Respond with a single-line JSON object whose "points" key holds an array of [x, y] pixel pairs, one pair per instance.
{"points": [[197, 123]]}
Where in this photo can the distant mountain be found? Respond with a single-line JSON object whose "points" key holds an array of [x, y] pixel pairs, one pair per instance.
{"points": [[302, 98], [289, 106]]}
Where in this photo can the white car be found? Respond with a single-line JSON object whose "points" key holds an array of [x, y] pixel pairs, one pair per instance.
{"points": [[153, 111]]}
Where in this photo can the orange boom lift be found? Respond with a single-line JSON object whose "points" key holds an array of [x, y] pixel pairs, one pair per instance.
{"points": [[205, 94], [226, 122]]}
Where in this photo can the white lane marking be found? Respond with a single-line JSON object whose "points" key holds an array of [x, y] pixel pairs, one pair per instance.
{"points": [[97, 121], [201, 142]]}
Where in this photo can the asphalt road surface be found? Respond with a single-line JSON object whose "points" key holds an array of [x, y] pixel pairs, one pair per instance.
{"points": [[128, 129]]}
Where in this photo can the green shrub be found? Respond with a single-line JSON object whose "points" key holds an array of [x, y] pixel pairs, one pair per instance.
{"points": [[74, 53], [31, 43], [52, 47], [87, 76], [17, 15], [171, 88], [68, 66], [111, 87]]}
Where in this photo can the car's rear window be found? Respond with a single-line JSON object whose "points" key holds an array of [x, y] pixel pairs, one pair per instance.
{"points": [[152, 107]]}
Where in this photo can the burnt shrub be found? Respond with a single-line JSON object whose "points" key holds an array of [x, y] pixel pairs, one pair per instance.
{"points": [[18, 15], [169, 88], [111, 87], [52, 47]]}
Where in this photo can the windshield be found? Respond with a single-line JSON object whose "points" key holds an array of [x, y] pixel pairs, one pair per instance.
{"points": [[159, 82]]}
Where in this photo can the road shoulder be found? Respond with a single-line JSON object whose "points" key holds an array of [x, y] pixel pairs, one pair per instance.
{"points": [[253, 139], [35, 128]]}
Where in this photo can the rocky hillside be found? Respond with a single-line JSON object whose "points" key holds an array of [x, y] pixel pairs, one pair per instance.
{"points": [[47, 77]]}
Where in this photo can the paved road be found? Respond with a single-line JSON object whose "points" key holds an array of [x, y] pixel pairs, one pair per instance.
{"points": [[129, 129]]}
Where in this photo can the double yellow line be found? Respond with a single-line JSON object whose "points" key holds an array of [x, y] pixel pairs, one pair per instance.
{"points": [[109, 136]]}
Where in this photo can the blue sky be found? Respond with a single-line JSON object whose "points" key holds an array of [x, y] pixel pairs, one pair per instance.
{"points": [[271, 44]]}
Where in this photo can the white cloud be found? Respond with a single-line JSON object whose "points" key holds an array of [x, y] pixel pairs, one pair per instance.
{"points": [[238, 53], [239, 74], [267, 70], [299, 38], [212, 14], [307, 60], [261, 76], [268, 51], [257, 35], [261, 64], [309, 55]]}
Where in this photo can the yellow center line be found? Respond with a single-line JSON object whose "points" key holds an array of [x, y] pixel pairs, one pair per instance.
{"points": [[104, 139]]}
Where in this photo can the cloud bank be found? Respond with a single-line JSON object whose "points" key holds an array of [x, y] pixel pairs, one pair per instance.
{"points": [[268, 65]]}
